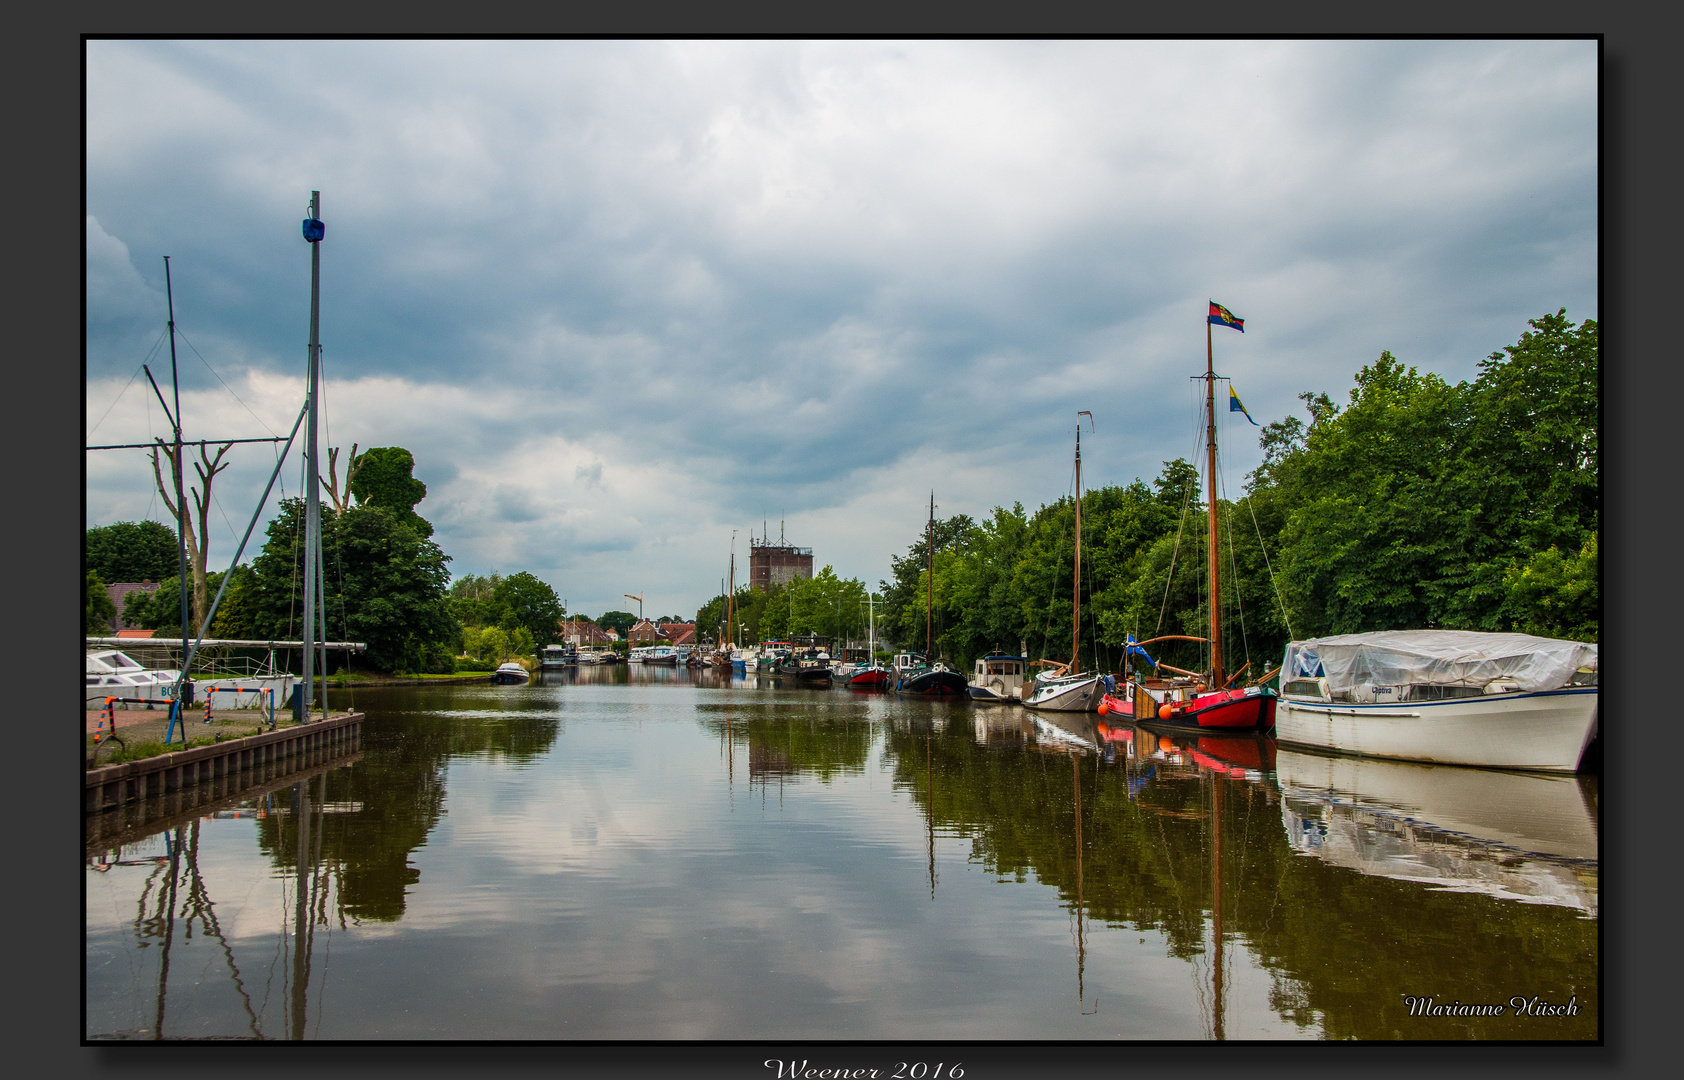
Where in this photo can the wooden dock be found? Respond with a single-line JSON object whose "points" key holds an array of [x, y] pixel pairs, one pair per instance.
{"points": [[227, 767]]}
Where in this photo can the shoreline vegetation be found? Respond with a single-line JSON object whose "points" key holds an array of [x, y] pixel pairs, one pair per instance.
{"points": [[1416, 504]]}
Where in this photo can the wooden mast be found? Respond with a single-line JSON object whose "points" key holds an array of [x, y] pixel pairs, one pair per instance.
{"points": [[1215, 562], [930, 596]]}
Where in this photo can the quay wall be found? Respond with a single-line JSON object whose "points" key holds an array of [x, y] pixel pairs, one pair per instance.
{"points": [[283, 750]]}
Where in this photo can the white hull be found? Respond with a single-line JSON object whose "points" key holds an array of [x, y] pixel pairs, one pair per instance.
{"points": [[255, 698], [1075, 695], [1545, 731]]}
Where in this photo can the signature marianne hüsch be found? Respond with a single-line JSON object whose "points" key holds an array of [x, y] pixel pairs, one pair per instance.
{"points": [[1519, 1005]]}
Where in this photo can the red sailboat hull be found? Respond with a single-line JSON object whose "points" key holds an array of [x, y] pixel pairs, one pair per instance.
{"points": [[1249, 709]]}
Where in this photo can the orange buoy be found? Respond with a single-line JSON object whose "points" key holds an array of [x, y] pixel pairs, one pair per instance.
{"points": [[1104, 709], [1163, 712]]}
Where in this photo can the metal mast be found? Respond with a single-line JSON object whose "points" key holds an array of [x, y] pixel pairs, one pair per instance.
{"points": [[313, 232], [182, 520]]}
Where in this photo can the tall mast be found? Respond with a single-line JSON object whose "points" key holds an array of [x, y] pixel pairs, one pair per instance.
{"points": [[930, 597], [182, 519], [1215, 562], [1076, 587], [312, 484]]}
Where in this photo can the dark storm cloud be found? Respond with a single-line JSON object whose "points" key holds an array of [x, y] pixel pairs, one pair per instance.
{"points": [[620, 296]]}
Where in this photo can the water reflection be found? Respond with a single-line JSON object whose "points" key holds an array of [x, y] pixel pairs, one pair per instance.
{"points": [[175, 896], [1520, 836], [899, 885]]}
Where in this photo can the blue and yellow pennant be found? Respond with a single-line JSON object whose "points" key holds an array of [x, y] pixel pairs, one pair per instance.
{"points": [[1235, 406]]}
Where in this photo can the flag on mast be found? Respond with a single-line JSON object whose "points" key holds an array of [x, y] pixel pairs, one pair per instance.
{"points": [[1221, 316], [1235, 406]]}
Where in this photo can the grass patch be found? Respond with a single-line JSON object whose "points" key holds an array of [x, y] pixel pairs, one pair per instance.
{"points": [[139, 749]]}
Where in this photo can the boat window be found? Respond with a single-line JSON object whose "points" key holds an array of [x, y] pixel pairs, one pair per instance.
{"points": [[1302, 687], [1425, 692]]}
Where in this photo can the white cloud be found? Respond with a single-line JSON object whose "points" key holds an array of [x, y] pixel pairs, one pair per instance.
{"points": [[621, 298]]}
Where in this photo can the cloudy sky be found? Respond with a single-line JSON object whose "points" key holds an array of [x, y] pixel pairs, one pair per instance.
{"points": [[623, 299]]}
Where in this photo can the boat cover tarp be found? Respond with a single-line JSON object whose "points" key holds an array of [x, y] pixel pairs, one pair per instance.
{"points": [[1437, 658]]}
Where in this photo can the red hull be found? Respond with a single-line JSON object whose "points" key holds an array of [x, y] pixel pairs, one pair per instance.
{"points": [[1226, 710], [1112, 705]]}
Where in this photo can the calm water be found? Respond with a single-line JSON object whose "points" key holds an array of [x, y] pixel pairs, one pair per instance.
{"points": [[645, 854]]}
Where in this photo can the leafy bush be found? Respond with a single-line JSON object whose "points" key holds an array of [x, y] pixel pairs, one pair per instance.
{"points": [[437, 660]]}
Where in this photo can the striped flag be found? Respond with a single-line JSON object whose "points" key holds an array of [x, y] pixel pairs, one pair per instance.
{"points": [[1221, 316]]}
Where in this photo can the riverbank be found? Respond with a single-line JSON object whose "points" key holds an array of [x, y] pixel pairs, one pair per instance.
{"points": [[354, 681]]}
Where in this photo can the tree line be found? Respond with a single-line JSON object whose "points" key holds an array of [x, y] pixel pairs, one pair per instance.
{"points": [[385, 582], [823, 604], [1417, 504]]}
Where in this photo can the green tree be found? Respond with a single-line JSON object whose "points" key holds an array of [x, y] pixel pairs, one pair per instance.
{"points": [[160, 610], [1413, 506], [132, 551], [471, 599], [1556, 595], [383, 476], [618, 621], [385, 585], [522, 600], [98, 609]]}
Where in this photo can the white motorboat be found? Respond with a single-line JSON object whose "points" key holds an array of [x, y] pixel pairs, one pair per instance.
{"points": [[1065, 693], [115, 674], [510, 673], [1456, 697], [998, 678], [555, 657]]}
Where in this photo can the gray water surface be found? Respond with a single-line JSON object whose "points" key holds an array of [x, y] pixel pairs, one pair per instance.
{"points": [[654, 854]]}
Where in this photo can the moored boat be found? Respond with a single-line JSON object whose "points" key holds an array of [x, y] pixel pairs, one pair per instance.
{"points": [[998, 678], [1457, 697], [1209, 700], [558, 656], [917, 674], [1063, 688], [809, 666], [509, 673], [873, 676]]}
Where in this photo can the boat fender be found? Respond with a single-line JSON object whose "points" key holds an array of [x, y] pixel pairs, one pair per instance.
{"points": [[1163, 712], [1104, 710]]}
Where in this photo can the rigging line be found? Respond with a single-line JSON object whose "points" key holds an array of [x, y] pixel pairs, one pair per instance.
{"points": [[1273, 584], [232, 532], [1233, 564], [1174, 552], [297, 553], [219, 379], [119, 396]]}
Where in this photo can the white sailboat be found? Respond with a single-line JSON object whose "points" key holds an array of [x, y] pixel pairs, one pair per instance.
{"points": [[1064, 689]]}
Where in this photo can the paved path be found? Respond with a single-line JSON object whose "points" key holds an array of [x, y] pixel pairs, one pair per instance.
{"points": [[129, 717]]}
